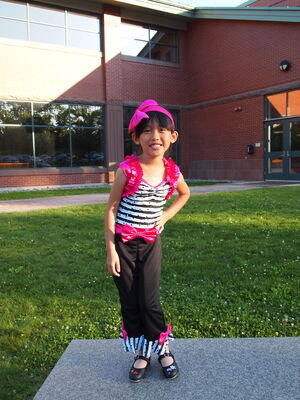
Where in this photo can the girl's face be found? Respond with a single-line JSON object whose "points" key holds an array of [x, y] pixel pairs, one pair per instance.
{"points": [[155, 140]]}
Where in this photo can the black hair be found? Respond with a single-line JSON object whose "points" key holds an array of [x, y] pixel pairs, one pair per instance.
{"points": [[162, 119]]}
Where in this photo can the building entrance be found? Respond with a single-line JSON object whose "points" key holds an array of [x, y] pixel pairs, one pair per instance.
{"points": [[282, 149]]}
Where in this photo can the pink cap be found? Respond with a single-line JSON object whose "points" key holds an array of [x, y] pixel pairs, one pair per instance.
{"points": [[140, 113]]}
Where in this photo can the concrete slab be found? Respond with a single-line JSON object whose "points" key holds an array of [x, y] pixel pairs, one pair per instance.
{"points": [[211, 369]]}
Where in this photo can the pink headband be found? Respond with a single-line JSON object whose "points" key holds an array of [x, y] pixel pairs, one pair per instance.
{"points": [[140, 113]]}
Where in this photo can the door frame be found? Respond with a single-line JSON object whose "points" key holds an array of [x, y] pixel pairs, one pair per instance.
{"points": [[286, 153]]}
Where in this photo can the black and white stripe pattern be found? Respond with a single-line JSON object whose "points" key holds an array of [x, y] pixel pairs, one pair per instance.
{"points": [[143, 208], [146, 347]]}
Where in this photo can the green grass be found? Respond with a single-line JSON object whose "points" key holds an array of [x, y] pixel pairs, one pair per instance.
{"points": [[230, 269], [33, 194], [49, 193]]}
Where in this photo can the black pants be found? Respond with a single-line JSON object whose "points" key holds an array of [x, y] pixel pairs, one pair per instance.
{"points": [[138, 287]]}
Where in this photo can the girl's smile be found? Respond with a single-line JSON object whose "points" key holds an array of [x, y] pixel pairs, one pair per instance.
{"points": [[155, 140]]}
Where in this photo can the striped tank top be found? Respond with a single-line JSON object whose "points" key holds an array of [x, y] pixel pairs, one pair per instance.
{"points": [[141, 204], [143, 208]]}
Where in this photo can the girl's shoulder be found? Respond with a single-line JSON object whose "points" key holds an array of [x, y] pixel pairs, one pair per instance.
{"points": [[133, 172], [171, 176]]}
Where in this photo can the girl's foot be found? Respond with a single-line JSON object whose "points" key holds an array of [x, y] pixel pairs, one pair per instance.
{"points": [[169, 366], [138, 369]]}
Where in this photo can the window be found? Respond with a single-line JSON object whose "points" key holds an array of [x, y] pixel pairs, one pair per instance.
{"points": [[40, 135], [149, 42], [281, 105], [39, 23], [131, 148]]}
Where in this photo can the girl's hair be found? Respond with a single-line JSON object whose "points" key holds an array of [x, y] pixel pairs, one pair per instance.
{"points": [[162, 119]]}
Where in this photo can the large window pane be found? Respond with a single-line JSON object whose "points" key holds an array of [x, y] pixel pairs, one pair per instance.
{"points": [[86, 115], [276, 105], [84, 22], [84, 40], [275, 165], [134, 32], [15, 113], [163, 53], [138, 40], [46, 15], [88, 147], [47, 34], [294, 102], [13, 29], [163, 37], [50, 114], [135, 48], [16, 147], [52, 147], [295, 136], [295, 165], [276, 137], [13, 9]]}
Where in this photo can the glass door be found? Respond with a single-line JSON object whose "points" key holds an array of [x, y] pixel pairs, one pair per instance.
{"points": [[282, 149]]}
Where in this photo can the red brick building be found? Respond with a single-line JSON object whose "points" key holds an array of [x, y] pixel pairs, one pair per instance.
{"points": [[73, 72]]}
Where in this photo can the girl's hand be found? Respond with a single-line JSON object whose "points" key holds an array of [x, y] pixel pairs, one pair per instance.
{"points": [[113, 264], [161, 223]]}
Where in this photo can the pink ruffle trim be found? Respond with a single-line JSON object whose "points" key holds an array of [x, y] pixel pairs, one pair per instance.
{"points": [[164, 335], [134, 173]]}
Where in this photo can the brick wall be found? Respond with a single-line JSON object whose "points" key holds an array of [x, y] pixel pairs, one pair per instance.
{"points": [[218, 139], [49, 177], [232, 57]]}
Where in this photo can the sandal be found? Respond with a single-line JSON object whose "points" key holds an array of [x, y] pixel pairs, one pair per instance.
{"points": [[137, 374], [172, 370]]}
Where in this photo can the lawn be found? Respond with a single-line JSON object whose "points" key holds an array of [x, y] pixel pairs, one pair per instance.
{"points": [[31, 194], [230, 269]]}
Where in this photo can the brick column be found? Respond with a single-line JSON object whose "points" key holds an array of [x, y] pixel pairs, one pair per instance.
{"points": [[113, 88]]}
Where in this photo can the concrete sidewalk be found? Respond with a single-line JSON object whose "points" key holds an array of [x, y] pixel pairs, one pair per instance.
{"points": [[76, 200], [210, 369]]}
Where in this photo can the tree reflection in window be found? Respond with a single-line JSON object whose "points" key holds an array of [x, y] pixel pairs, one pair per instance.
{"points": [[59, 135]]}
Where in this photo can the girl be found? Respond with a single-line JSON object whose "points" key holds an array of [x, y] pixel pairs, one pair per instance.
{"points": [[133, 223]]}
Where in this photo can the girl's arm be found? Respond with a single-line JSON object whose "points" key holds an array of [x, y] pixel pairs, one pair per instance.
{"points": [[113, 262], [183, 196]]}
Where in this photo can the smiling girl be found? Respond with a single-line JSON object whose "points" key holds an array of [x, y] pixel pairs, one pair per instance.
{"points": [[133, 224]]}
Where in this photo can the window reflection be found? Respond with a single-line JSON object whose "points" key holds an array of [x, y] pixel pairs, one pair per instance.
{"points": [[52, 147], [149, 42], [16, 150], [56, 144], [49, 25], [50, 114], [13, 29], [295, 136], [294, 103], [15, 113], [84, 40], [84, 22], [276, 105], [47, 15], [275, 165], [87, 145], [47, 34], [13, 9], [295, 165], [85, 115], [276, 137]]}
